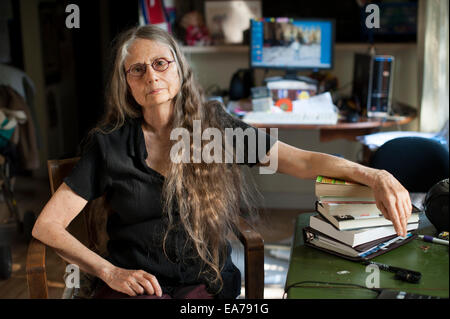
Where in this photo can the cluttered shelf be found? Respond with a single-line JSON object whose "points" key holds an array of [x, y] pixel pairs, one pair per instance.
{"points": [[319, 113], [342, 130], [338, 47], [363, 123]]}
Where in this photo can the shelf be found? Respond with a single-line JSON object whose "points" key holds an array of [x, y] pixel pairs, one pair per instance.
{"points": [[216, 49], [378, 46], [338, 47]]}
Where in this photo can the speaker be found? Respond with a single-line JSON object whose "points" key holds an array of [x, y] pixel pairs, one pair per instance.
{"points": [[241, 84], [436, 205], [372, 83]]}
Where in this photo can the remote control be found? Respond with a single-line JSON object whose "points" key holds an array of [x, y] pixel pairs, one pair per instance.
{"points": [[397, 294]]}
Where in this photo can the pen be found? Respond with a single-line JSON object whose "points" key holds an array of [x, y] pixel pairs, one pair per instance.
{"points": [[400, 273], [431, 239]]}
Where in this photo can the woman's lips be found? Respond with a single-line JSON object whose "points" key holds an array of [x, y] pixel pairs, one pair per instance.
{"points": [[155, 91]]}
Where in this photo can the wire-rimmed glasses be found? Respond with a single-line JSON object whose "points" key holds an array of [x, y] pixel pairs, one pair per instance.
{"points": [[139, 69]]}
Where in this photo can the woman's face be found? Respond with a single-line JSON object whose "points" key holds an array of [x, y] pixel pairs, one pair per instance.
{"points": [[153, 88]]}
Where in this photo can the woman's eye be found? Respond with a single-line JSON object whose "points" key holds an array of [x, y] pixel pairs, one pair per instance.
{"points": [[138, 68]]}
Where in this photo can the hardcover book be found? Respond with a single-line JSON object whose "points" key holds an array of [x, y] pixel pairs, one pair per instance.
{"points": [[357, 236], [326, 186]]}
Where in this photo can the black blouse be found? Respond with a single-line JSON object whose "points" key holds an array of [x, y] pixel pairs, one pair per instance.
{"points": [[114, 164]]}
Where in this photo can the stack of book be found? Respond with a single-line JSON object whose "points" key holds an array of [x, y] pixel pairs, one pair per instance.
{"points": [[349, 223]]}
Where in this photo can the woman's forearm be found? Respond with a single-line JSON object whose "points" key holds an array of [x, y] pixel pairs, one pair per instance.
{"points": [[336, 167], [308, 165], [72, 250], [391, 197]]}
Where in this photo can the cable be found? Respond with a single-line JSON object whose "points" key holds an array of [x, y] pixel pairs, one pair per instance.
{"points": [[298, 285]]}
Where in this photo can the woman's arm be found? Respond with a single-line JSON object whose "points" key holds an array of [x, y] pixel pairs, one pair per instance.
{"points": [[391, 197], [50, 228]]}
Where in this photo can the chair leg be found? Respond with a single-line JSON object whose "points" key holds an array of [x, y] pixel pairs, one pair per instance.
{"points": [[36, 273], [254, 274], [254, 260]]}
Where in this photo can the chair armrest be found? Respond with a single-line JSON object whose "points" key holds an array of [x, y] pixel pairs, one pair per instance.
{"points": [[254, 259], [36, 272]]}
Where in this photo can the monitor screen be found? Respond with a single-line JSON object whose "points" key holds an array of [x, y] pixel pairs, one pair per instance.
{"points": [[285, 43]]}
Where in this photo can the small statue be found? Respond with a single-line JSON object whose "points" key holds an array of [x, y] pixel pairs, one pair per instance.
{"points": [[196, 32]]}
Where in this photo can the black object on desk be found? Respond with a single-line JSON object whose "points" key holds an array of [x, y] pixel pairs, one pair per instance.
{"points": [[400, 273], [352, 117], [312, 265], [240, 85], [436, 205], [397, 294]]}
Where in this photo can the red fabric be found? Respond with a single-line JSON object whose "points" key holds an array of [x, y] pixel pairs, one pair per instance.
{"points": [[184, 292], [196, 35], [155, 11]]}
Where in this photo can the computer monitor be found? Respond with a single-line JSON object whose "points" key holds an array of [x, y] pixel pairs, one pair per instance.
{"points": [[292, 44]]}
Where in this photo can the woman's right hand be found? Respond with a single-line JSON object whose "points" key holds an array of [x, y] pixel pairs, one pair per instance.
{"points": [[132, 282]]}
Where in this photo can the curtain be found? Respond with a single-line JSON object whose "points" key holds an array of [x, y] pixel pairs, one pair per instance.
{"points": [[433, 64]]}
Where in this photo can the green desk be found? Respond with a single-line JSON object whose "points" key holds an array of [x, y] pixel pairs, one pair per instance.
{"points": [[309, 264]]}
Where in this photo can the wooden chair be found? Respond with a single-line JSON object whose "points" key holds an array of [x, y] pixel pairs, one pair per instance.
{"points": [[91, 231]]}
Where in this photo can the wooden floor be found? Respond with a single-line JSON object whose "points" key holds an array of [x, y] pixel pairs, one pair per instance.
{"points": [[276, 225], [16, 286]]}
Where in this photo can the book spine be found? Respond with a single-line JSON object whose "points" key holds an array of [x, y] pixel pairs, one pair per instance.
{"points": [[320, 208], [353, 216], [346, 202], [331, 231], [344, 191], [330, 180], [371, 222]]}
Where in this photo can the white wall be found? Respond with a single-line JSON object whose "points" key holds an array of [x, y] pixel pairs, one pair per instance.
{"points": [[284, 191]]}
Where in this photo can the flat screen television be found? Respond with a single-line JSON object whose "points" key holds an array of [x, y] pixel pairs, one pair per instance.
{"points": [[292, 44]]}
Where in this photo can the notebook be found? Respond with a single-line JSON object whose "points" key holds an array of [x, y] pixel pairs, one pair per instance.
{"points": [[316, 239]]}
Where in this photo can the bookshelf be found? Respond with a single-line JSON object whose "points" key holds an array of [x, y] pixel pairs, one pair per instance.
{"points": [[216, 49], [338, 47]]}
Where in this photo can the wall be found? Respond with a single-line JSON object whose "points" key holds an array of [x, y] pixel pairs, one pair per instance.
{"points": [[217, 68], [284, 191], [32, 57]]}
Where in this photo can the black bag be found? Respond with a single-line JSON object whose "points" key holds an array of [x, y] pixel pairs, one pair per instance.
{"points": [[436, 205], [240, 85]]}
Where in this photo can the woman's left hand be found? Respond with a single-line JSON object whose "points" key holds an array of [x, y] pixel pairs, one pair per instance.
{"points": [[393, 200]]}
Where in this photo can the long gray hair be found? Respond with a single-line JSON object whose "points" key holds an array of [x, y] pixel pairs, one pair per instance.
{"points": [[208, 196]]}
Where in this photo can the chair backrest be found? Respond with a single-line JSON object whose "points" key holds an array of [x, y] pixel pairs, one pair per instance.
{"points": [[418, 163], [89, 227], [58, 170]]}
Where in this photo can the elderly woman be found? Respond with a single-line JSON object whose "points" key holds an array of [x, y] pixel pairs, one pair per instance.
{"points": [[170, 219]]}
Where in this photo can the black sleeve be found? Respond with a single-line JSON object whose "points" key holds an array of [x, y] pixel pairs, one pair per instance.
{"points": [[250, 149], [88, 178]]}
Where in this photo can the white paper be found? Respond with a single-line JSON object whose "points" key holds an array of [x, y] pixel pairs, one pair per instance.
{"points": [[321, 103]]}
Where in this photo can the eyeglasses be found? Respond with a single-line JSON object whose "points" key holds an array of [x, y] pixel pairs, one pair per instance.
{"points": [[139, 69]]}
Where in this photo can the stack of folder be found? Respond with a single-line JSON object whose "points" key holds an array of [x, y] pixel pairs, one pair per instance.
{"points": [[349, 223]]}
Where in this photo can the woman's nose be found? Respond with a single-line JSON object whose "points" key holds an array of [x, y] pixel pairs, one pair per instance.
{"points": [[150, 74]]}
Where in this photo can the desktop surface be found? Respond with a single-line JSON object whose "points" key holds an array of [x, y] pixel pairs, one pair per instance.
{"points": [[309, 264]]}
